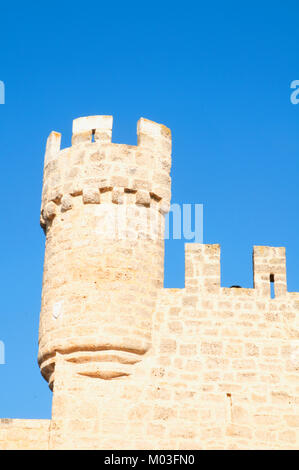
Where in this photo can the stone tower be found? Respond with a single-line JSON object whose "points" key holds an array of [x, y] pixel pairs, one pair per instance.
{"points": [[103, 207]]}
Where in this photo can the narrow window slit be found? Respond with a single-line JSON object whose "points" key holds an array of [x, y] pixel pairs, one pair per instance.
{"points": [[272, 286]]}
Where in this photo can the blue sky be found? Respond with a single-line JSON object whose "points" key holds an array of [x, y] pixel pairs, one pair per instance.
{"points": [[217, 73]]}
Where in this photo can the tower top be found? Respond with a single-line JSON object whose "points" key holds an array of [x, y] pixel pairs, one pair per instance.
{"points": [[93, 165]]}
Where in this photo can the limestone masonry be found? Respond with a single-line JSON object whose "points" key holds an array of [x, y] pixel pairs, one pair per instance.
{"points": [[133, 365]]}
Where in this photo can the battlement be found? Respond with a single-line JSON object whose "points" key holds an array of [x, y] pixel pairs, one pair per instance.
{"points": [[203, 271], [97, 127], [102, 171]]}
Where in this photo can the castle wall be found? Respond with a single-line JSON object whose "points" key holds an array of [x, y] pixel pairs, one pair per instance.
{"points": [[222, 372], [229, 357]]}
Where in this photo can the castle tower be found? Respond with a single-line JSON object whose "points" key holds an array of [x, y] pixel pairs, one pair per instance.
{"points": [[103, 208]]}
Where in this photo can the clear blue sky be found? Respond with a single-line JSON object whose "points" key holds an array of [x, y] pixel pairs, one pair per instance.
{"points": [[217, 73]]}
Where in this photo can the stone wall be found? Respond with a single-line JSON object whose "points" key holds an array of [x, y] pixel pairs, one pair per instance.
{"points": [[24, 434]]}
